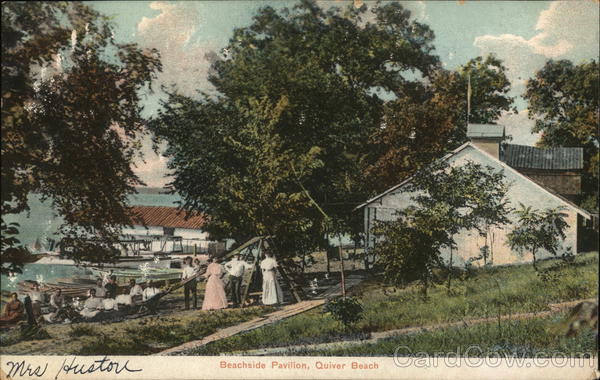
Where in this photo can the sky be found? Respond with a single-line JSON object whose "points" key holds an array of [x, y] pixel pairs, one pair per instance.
{"points": [[524, 34]]}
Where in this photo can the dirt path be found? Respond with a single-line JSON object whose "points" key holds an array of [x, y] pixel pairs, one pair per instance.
{"points": [[376, 336], [285, 312]]}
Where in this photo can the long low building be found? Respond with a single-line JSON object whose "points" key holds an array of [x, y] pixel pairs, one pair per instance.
{"points": [[167, 229]]}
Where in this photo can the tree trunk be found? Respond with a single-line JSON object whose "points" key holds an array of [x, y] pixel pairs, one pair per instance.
{"points": [[343, 282], [450, 271], [327, 260]]}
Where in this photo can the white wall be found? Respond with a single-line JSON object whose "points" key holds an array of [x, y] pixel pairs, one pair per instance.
{"points": [[522, 190], [200, 237]]}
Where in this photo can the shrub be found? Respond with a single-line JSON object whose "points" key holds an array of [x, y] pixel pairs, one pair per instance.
{"points": [[345, 310]]}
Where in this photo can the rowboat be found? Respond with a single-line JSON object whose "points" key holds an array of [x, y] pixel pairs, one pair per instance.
{"points": [[143, 273]]}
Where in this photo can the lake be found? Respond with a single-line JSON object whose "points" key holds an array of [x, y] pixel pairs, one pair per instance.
{"points": [[42, 222]]}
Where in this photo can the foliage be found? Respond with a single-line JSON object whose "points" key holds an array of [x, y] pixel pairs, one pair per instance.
{"points": [[347, 310], [563, 100], [294, 108], [446, 200], [358, 107], [71, 120], [489, 94], [538, 230]]}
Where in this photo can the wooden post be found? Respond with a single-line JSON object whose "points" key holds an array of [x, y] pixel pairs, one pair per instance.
{"points": [[290, 283], [343, 282]]}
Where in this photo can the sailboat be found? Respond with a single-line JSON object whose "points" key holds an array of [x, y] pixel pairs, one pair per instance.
{"points": [[36, 246]]}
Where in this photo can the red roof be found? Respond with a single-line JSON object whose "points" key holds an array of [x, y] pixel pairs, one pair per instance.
{"points": [[163, 216]]}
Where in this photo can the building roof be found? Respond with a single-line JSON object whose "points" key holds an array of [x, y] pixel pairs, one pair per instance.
{"points": [[530, 157], [485, 130], [566, 202], [163, 216]]}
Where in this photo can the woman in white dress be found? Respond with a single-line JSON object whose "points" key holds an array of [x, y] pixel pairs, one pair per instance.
{"points": [[271, 291]]}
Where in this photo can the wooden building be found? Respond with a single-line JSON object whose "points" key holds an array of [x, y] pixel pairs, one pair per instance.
{"points": [[485, 148], [167, 229]]}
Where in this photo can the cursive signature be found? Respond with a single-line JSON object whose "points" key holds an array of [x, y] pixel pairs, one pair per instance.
{"points": [[24, 369], [100, 365]]}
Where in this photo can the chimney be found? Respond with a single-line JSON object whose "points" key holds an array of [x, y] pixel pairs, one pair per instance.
{"points": [[486, 137]]}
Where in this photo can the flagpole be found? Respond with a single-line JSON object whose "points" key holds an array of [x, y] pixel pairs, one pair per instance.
{"points": [[468, 96]]}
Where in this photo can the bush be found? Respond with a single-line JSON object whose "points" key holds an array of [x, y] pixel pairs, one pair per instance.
{"points": [[346, 310]]}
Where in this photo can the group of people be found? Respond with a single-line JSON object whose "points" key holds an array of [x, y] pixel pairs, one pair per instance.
{"points": [[102, 297], [215, 296], [105, 297]]}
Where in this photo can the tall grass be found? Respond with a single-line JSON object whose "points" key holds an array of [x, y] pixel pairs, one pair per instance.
{"points": [[539, 337], [484, 293]]}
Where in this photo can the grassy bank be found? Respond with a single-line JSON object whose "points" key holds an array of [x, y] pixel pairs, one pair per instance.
{"points": [[138, 336], [523, 338], [485, 292]]}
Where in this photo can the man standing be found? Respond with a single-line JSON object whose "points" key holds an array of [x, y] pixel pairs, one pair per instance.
{"points": [[189, 271], [236, 268], [37, 299]]}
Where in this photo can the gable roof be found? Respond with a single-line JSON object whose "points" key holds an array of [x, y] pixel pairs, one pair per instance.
{"points": [[163, 216], [506, 167], [530, 157]]}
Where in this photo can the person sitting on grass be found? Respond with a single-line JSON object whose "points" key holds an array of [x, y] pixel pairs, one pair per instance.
{"points": [[13, 312], [92, 306], [110, 304], [124, 298], [100, 291], [150, 291], [135, 291], [57, 307], [111, 287]]}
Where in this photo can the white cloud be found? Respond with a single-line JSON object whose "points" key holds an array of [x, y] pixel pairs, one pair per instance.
{"points": [[172, 33], [153, 169], [519, 127], [566, 30]]}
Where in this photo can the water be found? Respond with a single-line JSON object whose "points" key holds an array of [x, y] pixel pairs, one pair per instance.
{"points": [[42, 223]]}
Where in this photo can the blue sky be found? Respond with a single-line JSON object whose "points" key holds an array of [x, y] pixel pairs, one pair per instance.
{"points": [[523, 33]]}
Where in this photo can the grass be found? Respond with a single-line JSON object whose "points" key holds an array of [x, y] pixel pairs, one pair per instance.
{"points": [[484, 293], [153, 335], [140, 336], [523, 338]]}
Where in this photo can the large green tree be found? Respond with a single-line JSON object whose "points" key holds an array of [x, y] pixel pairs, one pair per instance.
{"points": [[70, 121], [563, 100], [445, 200], [421, 126], [329, 67], [356, 100]]}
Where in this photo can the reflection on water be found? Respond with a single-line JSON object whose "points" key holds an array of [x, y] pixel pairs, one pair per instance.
{"points": [[44, 273]]}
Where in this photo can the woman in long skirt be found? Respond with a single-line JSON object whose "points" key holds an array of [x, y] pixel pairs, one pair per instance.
{"points": [[271, 293], [214, 295]]}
